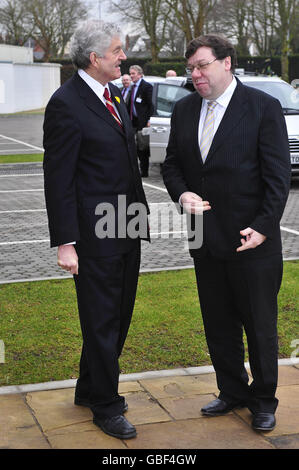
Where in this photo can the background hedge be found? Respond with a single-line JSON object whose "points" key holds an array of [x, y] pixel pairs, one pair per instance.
{"points": [[268, 65]]}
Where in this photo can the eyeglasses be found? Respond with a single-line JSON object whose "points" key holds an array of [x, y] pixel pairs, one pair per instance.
{"points": [[199, 67]]}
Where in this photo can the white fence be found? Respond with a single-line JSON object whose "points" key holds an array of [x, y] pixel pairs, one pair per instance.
{"points": [[26, 87]]}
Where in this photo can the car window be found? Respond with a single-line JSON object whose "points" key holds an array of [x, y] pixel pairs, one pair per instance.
{"points": [[282, 91], [167, 96]]}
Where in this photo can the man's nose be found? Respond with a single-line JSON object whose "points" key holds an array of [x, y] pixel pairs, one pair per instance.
{"points": [[196, 73], [123, 56]]}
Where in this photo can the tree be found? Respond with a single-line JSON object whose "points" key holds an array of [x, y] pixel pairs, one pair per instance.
{"points": [[15, 22], [231, 17], [286, 13], [54, 22], [263, 21], [49, 22], [190, 15], [152, 15], [294, 31]]}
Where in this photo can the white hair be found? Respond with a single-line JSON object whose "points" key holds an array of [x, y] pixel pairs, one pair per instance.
{"points": [[91, 36]]}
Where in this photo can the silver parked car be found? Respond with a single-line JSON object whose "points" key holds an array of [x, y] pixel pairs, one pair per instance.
{"points": [[171, 90]]}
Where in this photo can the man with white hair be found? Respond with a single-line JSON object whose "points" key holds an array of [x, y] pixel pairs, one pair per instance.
{"points": [[90, 160], [125, 90]]}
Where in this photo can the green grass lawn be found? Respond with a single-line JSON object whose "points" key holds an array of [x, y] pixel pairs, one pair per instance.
{"points": [[40, 328], [21, 158]]}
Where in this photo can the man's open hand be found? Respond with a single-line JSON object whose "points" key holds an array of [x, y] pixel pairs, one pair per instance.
{"points": [[193, 204]]}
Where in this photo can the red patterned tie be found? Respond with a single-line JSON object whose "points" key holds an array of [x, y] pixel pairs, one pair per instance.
{"points": [[110, 107]]}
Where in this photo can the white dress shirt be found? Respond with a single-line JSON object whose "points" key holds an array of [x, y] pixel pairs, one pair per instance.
{"points": [[97, 88], [219, 110], [135, 94]]}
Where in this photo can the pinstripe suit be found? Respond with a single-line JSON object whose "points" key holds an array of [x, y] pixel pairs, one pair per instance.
{"points": [[246, 179]]}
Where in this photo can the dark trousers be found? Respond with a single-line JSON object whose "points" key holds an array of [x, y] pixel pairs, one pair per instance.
{"points": [[144, 154], [106, 291], [233, 295]]}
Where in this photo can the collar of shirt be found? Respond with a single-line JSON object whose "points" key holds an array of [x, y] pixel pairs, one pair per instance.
{"points": [[219, 110], [224, 99], [137, 85], [96, 86]]}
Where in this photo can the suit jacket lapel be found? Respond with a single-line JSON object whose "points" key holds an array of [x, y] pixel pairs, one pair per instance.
{"points": [[235, 111], [122, 109], [139, 90], [94, 103], [194, 114]]}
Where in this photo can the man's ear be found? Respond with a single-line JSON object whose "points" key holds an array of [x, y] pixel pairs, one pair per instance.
{"points": [[93, 58], [228, 63]]}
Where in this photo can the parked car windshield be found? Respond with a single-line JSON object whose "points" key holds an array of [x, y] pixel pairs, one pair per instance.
{"points": [[286, 94], [167, 96]]}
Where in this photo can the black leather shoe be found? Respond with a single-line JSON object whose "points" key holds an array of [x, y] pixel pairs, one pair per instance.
{"points": [[83, 402], [219, 407], [117, 426], [263, 421]]}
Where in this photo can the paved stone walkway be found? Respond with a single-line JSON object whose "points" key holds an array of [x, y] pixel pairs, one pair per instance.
{"points": [[164, 409]]}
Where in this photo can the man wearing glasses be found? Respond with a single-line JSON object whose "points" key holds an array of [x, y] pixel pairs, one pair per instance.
{"points": [[228, 160]]}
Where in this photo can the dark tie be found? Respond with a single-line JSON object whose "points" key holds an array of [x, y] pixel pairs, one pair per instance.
{"points": [[132, 101], [110, 107]]}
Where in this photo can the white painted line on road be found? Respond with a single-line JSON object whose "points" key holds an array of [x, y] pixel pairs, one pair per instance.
{"points": [[289, 230], [28, 174], [21, 190], [14, 150], [23, 210], [21, 142], [153, 233], [155, 187], [24, 242], [167, 233]]}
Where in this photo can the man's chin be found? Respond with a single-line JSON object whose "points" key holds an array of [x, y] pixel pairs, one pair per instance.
{"points": [[117, 72], [202, 89]]}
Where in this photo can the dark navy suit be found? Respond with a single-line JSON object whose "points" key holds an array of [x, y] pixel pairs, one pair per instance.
{"points": [[89, 160]]}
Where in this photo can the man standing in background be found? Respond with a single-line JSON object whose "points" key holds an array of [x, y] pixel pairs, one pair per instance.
{"points": [[140, 109], [125, 90]]}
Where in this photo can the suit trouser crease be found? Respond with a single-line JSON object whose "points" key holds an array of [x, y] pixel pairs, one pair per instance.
{"points": [[234, 295], [106, 290]]}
